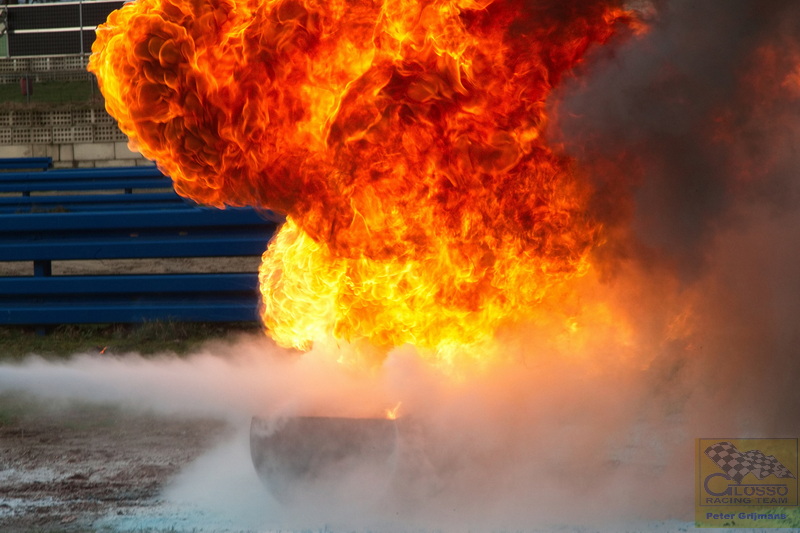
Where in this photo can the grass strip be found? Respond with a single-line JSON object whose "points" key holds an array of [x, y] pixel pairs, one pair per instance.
{"points": [[147, 339], [50, 92]]}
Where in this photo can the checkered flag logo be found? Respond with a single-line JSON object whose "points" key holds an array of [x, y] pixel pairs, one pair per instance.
{"points": [[737, 464]]}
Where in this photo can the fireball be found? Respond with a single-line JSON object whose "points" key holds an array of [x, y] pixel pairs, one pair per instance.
{"points": [[404, 141]]}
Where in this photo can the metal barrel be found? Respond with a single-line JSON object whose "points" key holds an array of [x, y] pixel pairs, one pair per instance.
{"points": [[324, 460]]}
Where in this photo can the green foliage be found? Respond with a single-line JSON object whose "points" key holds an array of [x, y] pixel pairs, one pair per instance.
{"points": [[11, 410], [792, 519], [51, 92]]}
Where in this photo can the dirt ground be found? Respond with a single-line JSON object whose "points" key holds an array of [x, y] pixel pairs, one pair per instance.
{"points": [[138, 266], [62, 468]]}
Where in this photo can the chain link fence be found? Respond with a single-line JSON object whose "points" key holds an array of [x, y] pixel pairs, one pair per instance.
{"points": [[44, 50]]}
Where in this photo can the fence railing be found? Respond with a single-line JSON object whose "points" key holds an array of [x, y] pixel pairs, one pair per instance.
{"points": [[51, 80], [45, 69], [55, 28], [43, 65], [44, 49], [96, 214]]}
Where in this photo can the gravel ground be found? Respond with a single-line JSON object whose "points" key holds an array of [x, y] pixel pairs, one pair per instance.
{"points": [[137, 266], [64, 468]]}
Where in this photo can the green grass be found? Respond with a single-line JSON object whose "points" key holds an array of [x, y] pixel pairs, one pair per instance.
{"points": [[12, 408], [51, 92], [16, 408], [146, 339]]}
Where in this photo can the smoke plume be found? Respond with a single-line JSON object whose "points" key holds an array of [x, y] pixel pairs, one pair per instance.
{"points": [[690, 135]]}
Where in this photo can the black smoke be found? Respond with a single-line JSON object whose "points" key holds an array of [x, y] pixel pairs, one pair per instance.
{"points": [[690, 134], [669, 121]]}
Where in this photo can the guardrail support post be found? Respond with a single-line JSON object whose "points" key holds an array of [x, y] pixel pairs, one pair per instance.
{"points": [[42, 268]]}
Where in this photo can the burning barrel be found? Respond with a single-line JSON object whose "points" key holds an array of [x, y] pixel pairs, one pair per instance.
{"points": [[324, 460]]}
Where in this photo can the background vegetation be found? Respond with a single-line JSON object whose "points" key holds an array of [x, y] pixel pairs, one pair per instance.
{"points": [[50, 93], [149, 338]]}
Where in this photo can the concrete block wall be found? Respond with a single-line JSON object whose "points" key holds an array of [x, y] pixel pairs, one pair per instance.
{"points": [[80, 155], [73, 138]]}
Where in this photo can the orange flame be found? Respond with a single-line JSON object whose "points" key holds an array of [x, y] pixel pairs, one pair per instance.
{"points": [[403, 139]]}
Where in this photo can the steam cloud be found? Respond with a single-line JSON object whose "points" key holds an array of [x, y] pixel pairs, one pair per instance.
{"points": [[690, 135]]}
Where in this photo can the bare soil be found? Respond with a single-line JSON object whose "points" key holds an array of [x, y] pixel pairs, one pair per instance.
{"points": [[182, 265], [62, 468]]}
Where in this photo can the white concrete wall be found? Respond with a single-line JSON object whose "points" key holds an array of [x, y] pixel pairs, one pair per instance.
{"points": [[79, 155], [74, 138]]}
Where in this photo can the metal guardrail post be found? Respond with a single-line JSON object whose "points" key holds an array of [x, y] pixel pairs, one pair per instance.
{"points": [[80, 25], [4, 31]]}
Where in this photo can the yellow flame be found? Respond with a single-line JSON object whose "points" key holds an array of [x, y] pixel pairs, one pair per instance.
{"points": [[392, 413]]}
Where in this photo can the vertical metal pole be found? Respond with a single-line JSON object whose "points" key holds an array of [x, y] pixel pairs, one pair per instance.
{"points": [[4, 30], [80, 23], [83, 52]]}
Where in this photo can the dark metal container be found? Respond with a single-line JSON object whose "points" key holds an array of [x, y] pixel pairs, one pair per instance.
{"points": [[324, 460]]}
